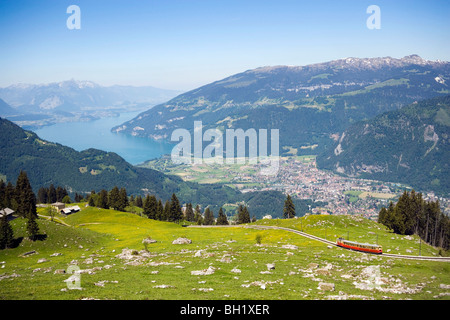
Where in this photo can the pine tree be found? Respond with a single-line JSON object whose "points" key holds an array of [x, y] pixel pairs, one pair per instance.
{"points": [[102, 199], [160, 210], [382, 216], [6, 233], [139, 202], [245, 215], [91, 201], [190, 213], [24, 195], [222, 218], [175, 209], [150, 207], [209, 217], [114, 198], [289, 208], [60, 193], [42, 195], [123, 199], [51, 198], [166, 213], [240, 214], [198, 218], [32, 226]]}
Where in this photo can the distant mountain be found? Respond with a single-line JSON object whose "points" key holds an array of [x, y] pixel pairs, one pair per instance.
{"points": [[308, 104], [410, 145], [6, 109], [72, 100], [76, 95]]}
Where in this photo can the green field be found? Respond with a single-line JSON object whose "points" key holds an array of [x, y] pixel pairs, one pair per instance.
{"points": [[93, 240]]}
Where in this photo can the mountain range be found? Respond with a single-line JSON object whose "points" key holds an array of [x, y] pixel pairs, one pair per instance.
{"points": [[42, 104], [310, 105]]}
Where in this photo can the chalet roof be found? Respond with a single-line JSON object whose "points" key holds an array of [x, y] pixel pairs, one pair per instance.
{"points": [[8, 211]]}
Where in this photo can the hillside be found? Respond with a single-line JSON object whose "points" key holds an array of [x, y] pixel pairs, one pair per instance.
{"points": [[220, 263], [410, 145], [308, 104]]}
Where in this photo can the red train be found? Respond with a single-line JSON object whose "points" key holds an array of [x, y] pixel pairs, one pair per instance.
{"points": [[364, 247]]}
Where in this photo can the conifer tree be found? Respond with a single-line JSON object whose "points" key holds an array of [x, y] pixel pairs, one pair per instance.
{"points": [[139, 202], [198, 218], [42, 195], [32, 226], [209, 217], [24, 195], [91, 201], [123, 199], [150, 207], [166, 213], [190, 213], [6, 233], [289, 208], [102, 199], [114, 198], [160, 210], [245, 215], [222, 218], [51, 198], [175, 213]]}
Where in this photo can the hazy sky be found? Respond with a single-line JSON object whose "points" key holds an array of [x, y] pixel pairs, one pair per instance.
{"points": [[184, 44]]}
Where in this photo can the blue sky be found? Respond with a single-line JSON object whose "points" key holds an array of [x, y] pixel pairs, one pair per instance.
{"points": [[184, 44]]}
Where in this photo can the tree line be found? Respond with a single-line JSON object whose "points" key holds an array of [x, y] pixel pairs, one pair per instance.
{"points": [[414, 215]]}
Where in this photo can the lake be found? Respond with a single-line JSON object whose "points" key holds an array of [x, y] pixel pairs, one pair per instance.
{"points": [[96, 134]]}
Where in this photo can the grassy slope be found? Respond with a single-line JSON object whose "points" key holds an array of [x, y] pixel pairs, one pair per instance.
{"points": [[104, 233]]}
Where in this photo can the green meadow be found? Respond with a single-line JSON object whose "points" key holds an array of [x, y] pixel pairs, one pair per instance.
{"points": [[224, 263]]}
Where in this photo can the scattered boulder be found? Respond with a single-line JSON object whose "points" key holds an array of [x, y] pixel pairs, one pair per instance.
{"points": [[313, 265], [163, 286], [323, 271], [42, 260], [203, 289], [236, 270], [270, 266], [289, 246], [182, 241], [204, 272], [326, 286]]}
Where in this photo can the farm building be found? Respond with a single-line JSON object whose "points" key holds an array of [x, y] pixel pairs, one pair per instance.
{"points": [[58, 205], [70, 210]]}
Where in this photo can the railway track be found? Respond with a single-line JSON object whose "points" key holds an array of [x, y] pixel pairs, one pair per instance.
{"points": [[388, 255]]}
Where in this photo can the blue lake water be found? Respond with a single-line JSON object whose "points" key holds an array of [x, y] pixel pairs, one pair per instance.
{"points": [[96, 134]]}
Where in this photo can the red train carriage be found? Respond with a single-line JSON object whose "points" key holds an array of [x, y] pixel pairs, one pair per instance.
{"points": [[364, 247]]}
